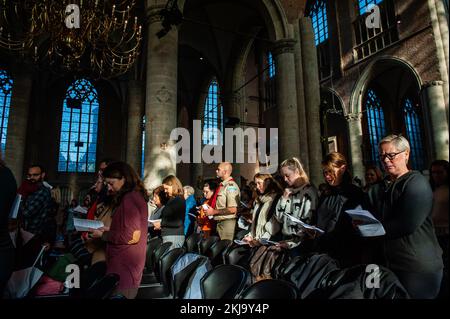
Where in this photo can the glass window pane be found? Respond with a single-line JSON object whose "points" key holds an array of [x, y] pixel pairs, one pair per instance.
{"points": [[81, 127]]}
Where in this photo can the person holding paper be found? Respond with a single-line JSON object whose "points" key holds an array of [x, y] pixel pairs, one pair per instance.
{"points": [[298, 200], [264, 224], [172, 217], [8, 187], [340, 240], [410, 245], [207, 225], [160, 200], [127, 236]]}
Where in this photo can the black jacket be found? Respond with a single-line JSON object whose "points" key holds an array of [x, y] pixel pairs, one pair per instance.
{"points": [[404, 207], [8, 189], [172, 217], [340, 241]]}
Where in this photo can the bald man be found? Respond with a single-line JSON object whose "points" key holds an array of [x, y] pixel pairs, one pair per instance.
{"points": [[227, 198]]}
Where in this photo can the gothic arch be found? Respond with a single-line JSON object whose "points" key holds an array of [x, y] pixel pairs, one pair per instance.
{"points": [[361, 85]]}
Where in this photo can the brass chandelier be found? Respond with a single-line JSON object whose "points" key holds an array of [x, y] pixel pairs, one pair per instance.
{"points": [[97, 37]]}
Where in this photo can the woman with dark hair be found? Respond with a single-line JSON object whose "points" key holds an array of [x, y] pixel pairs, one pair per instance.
{"points": [[372, 176], [160, 200], [340, 239], [172, 217], [405, 203], [127, 236], [264, 224], [207, 225], [8, 188]]}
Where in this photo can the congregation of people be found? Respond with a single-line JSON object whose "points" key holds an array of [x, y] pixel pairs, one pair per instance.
{"points": [[262, 215]]}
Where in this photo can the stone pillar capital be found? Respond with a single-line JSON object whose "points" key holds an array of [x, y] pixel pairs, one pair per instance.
{"points": [[283, 46], [432, 83], [353, 117], [153, 14]]}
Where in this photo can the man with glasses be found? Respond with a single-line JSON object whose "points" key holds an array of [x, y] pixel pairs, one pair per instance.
{"points": [[36, 212]]}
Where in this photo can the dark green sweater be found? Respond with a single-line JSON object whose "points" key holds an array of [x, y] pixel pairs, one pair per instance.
{"points": [[404, 206]]}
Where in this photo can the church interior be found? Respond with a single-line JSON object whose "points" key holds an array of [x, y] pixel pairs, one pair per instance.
{"points": [[90, 82]]}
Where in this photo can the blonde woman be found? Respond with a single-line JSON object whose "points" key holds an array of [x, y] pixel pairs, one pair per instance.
{"points": [[299, 200]]}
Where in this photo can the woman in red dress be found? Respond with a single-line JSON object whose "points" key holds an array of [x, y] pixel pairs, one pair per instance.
{"points": [[127, 236]]}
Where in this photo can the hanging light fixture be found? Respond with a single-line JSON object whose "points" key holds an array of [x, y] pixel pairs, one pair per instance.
{"points": [[98, 37]]}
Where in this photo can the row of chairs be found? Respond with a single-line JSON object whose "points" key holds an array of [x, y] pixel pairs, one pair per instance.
{"points": [[226, 280]]}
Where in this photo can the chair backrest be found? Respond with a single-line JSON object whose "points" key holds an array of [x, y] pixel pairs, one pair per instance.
{"points": [[152, 245], [237, 255], [159, 252], [224, 282], [191, 243], [181, 279], [165, 264], [103, 288], [205, 243], [94, 273], [215, 252], [270, 289]]}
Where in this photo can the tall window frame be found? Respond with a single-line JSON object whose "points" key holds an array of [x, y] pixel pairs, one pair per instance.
{"points": [[6, 85], [376, 123], [269, 81], [212, 115], [414, 133], [79, 128], [319, 18]]}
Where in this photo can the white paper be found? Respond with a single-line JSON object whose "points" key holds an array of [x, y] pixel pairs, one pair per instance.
{"points": [[26, 236], [240, 242], [368, 225], [80, 209], [15, 207], [85, 224], [267, 242], [304, 225], [152, 221]]}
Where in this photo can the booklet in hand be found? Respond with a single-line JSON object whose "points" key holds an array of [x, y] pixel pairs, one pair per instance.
{"points": [[86, 224], [304, 225], [367, 224]]}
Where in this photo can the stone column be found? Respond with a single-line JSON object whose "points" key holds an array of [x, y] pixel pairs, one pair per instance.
{"points": [[312, 99], [18, 123], [439, 24], [301, 105], [134, 130], [286, 99], [161, 98], [433, 96], [356, 141]]}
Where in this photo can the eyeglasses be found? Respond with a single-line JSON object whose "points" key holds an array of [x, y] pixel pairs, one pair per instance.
{"points": [[390, 156]]}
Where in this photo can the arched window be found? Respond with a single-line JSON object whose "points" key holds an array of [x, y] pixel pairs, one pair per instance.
{"points": [[213, 115], [6, 84], [143, 147], [269, 82], [375, 123], [318, 14], [364, 4], [414, 135], [271, 65], [78, 140]]}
